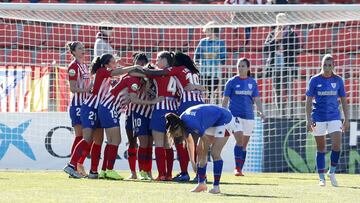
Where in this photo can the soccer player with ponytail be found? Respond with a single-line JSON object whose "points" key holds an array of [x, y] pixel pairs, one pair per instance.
{"points": [[242, 92], [103, 68], [79, 80], [323, 115]]}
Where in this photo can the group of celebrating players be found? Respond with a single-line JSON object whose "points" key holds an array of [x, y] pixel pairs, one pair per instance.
{"points": [[164, 104]]}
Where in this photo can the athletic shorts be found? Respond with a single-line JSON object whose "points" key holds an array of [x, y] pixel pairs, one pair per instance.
{"points": [[324, 128], [74, 112], [89, 117], [244, 125], [158, 121], [220, 131], [109, 118], [141, 125]]}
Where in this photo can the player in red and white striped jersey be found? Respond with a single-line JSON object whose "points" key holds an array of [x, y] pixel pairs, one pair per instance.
{"points": [[103, 68], [109, 110], [79, 80]]}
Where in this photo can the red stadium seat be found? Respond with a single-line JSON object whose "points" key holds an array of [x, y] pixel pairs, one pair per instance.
{"points": [[146, 38], [60, 35], [234, 38], [104, 2], [257, 38], [8, 34], [48, 57], [19, 56], [309, 63], [2, 57], [132, 2], [122, 37], [265, 89], [299, 89], [76, 1], [347, 39], [48, 1], [352, 88], [319, 40], [195, 38], [32, 36], [87, 35], [341, 60], [175, 38]]}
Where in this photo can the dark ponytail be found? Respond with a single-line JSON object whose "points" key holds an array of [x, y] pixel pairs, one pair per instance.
{"points": [[173, 122], [247, 64], [100, 62], [169, 56], [71, 46], [140, 56], [182, 59]]}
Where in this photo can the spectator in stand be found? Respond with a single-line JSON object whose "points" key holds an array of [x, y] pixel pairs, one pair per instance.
{"points": [[210, 55], [102, 43], [281, 45]]}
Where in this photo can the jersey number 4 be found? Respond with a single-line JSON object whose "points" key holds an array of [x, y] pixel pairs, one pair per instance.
{"points": [[172, 85]]}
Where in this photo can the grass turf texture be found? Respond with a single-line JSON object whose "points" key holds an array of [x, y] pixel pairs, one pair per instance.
{"points": [[54, 186]]}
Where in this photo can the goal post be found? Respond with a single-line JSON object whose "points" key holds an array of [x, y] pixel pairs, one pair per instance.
{"points": [[34, 86]]}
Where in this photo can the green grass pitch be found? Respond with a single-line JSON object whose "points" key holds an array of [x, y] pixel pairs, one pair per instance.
{"points": [[55, 186]]}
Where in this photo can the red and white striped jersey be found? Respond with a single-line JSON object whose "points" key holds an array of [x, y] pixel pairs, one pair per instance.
{"points": [[166, 86], [184, 77], [117, 97], [143, 109], [79, 73], [102, 84]]}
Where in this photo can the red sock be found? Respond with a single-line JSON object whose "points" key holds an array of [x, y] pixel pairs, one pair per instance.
{"points": [[142, 157], [183, 157], [106, 158], [112, 152], [95, 157], [76, 141], [80, 148], [149, 159], [169, 161], [132, 158], [160, 160]]}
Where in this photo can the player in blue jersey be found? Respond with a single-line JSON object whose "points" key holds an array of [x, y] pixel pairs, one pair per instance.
{"points": [[242, 92], [210, 123], [323, 115]]}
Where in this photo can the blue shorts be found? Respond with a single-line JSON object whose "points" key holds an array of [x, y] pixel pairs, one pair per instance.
{"points": [[109, 118], [74, 112], [129, 121], [89, 117], [158, 121], [185, 105], [141, 125]]}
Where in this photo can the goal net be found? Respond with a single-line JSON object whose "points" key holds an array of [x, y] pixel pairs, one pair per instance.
{"points": [[34, 123]]}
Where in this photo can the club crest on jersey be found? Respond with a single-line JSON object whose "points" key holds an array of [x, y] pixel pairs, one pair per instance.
{"points": [[333, 85], [250, 86], [134, 86], [319, 85], [72, 72], [237, 86]]}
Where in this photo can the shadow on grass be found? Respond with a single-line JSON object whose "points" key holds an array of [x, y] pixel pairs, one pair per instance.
{"points": [[256, 196], [354, 187], [294, 178]]}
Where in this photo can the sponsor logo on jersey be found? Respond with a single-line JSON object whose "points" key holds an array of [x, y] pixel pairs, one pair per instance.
{"points": [[135, 87], [72, 72]]}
